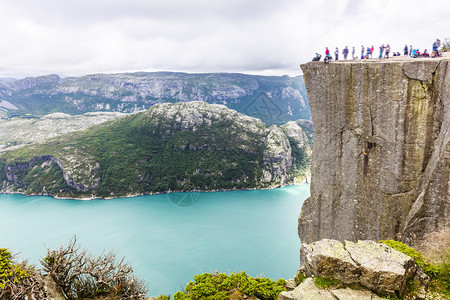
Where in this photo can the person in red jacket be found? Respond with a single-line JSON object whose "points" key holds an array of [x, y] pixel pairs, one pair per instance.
{"points": [[327, 52]]}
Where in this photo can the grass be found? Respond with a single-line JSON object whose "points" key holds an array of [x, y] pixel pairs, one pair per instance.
{"points": [[439, 274]]}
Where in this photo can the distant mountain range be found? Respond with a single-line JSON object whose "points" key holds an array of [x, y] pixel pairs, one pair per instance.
{"points": [[274, 100], [170, 147]]}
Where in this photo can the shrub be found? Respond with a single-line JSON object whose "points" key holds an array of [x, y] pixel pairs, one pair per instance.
{"points": [[81, 275], [443, 280], [221, 286], [18, 280]]}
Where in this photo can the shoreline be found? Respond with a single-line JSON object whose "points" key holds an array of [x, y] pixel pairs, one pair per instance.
{"points": [[306, 181]]}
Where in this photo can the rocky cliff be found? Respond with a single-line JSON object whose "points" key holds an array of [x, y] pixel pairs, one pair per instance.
{"points": [[381, 156], [275, 100]]}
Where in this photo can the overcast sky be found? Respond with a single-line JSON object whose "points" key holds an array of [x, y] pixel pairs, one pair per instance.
{"points": [[72, 38]]}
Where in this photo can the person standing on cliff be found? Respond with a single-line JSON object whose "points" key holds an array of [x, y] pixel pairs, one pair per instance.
{"points": [[362, 51], [381, 51], [345, 52], [336, 53], [435, 49], [353, 53], [388, 49], [410, 50], [405, 50], [327, 52]]}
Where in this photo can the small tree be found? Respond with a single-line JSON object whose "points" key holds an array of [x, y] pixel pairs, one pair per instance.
{"points": [[446, 44], [81, 275], [19, 280]]}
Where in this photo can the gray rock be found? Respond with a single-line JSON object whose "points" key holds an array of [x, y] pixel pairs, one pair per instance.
{"points": [[383, 269], [329, 258], [381, 150], [290, 284], [307, 290], [350, 294], [372, 265]]}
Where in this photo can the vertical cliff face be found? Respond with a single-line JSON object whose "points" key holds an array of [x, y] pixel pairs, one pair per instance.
{"points": [[381, 157]]}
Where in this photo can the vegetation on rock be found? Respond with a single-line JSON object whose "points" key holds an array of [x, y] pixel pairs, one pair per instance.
{"points": [[234, 286], [440, 275]]}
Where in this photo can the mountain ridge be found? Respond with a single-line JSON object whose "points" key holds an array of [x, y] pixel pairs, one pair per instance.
{"points": [[274, 99]]}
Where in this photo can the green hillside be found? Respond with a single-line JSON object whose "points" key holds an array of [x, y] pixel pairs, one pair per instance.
{"points": [[171, 147]]}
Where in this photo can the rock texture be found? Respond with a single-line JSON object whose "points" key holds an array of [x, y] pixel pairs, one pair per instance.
{"points": [[372, 265], [307, 290], [363, 270], [381, 156]]}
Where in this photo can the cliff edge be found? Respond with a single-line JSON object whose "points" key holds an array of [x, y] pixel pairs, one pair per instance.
{"points": [[381, 156]]}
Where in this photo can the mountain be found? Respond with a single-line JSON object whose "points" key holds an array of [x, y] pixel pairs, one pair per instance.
{"points": [[170, 147], [275, 100]]}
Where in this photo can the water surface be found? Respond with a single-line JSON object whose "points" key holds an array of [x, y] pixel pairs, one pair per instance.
{"points": [[166, 238]]}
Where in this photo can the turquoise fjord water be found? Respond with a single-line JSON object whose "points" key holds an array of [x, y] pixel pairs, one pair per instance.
{"points": [[166, 238]]}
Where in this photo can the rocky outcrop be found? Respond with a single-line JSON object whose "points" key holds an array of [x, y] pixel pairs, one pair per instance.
{"points": [[380, 165], [361, 270], [15, 182]]}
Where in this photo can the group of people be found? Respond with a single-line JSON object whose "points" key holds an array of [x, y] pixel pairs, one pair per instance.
{"points": [[367, 53]]}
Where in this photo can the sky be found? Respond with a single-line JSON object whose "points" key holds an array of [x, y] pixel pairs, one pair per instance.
{"points": [[265, 37]]}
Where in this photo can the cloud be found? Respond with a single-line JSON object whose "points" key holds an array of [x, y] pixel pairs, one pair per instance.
{"points": [[269, 37]]}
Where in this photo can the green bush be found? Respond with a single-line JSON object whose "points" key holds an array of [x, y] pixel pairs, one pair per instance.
{"points": [[18, 280], [220, 286], [443, 280]]}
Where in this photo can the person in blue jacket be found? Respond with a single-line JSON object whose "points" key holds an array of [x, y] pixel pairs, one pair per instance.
{"points": [[381, 51], [405, 50], [345, 52]]}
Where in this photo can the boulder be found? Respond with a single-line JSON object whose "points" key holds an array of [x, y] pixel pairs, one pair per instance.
{"points": [[372, 265], [329, 258], [383, 269]]}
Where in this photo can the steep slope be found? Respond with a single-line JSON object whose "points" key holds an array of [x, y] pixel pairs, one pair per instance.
{"points": [[275, 100], [381, 159], [170, 147]]}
